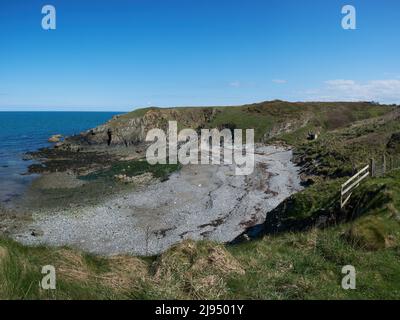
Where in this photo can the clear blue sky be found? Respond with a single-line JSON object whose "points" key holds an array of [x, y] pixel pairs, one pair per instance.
{"points": [[122, 54]]}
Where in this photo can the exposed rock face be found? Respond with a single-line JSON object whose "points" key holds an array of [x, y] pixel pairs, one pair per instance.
{"points": [[269, 119], [124, 135], [130, 129], [287, 127]]}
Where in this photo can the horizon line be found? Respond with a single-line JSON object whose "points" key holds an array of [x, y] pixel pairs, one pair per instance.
{"points": [[71, 109], [65, 111]]}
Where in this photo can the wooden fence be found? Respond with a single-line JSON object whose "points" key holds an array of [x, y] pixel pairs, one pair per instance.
{"points": [[383, 165], [376, 168], [351, 184]]}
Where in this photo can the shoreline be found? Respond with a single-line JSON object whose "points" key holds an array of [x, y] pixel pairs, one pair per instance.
{"points": [[198, 202]]}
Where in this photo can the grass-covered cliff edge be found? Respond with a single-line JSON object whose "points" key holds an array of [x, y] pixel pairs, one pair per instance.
{"points": [[269, 119], [306, 240]]}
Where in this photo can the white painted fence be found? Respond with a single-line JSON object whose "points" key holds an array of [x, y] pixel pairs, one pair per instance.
{"points": [[351, 184]]}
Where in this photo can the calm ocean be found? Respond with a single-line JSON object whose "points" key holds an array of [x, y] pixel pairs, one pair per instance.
{"points": [[21, 132]]}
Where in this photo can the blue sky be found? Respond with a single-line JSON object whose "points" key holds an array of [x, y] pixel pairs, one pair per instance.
{"points": [[119, 55]]}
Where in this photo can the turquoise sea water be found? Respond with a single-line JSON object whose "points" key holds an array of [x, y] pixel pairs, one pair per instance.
{"points": [[21, 132]]}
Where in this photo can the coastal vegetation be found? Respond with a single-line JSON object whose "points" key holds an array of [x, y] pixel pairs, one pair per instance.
{"points": [[133, 168], [290, 265], [298, 253]]}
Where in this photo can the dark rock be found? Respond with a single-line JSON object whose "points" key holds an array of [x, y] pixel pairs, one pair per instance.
{"points": [[55, 138], [62, 159], [36, 233]]}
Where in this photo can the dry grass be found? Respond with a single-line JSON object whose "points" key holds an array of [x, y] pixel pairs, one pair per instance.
{"points": [[219, 260], [125, 273], [121, 273], [198, 270], [72, 266], [3, 253]]}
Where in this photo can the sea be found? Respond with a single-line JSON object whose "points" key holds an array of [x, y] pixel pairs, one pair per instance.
{"points": [[21, 132]]}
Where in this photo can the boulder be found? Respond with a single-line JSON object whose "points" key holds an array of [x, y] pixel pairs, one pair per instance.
{"points": [[55, 138]]}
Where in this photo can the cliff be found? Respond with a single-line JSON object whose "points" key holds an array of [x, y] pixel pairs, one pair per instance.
{"points": [[269, 119]]}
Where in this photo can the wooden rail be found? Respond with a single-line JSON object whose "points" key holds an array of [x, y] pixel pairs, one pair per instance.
{"points": [[351, 184]]}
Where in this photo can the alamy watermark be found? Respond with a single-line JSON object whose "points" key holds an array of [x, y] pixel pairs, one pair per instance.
{"points": [[349, 280], [49, 280], [49, 20], [349, 21], [212, 147]]}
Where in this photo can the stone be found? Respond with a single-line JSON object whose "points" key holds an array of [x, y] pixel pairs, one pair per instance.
{"points": [[55, 138]]}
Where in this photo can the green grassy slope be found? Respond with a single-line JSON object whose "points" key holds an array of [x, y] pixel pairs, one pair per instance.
{"points": [[264, 117], [332, 159]]}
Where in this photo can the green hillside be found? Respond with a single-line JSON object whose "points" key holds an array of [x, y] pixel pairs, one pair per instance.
{"points": [[266, 118]]}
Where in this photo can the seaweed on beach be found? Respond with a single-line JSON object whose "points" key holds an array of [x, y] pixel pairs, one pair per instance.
{"points": [[57, 160], [133, 168]]}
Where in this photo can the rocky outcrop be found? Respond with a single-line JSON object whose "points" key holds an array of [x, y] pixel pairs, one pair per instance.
{"points": [[288, 126], [268, 119], [55, 138], [131, 128], [139, 179]]}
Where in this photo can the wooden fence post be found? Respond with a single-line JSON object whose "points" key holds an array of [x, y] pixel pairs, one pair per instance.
{"points": [[383, 164], [372, 167]]}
